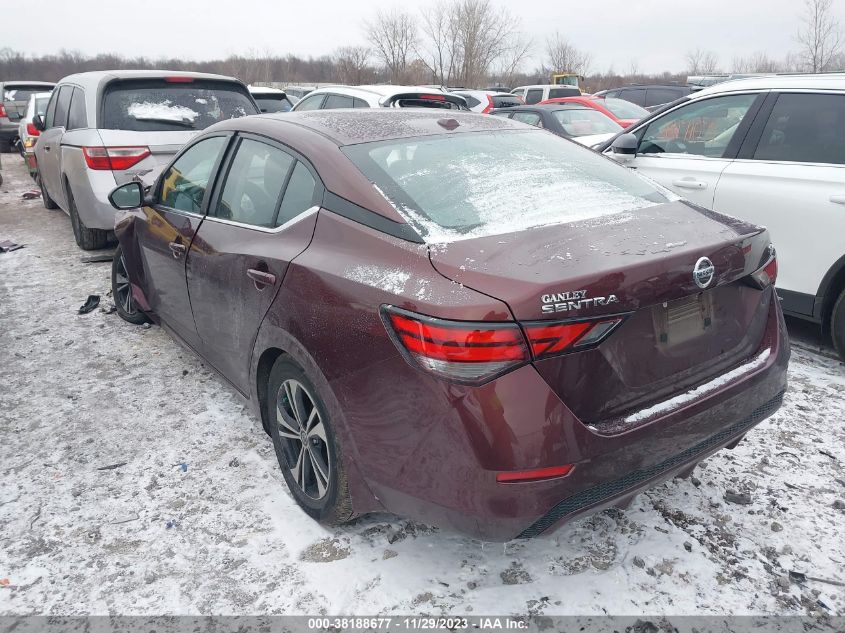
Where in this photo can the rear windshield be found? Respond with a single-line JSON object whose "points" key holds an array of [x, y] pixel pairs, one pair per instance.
{"points": [[585, 122], [488, 183], [624, 109], [158, 105], [507, 102], [272, 103], [21, 92], [426, 101]]}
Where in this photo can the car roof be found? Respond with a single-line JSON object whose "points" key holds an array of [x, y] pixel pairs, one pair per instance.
{"points": [[825, 81], [364, 125], [376, 90], [95, 78]]}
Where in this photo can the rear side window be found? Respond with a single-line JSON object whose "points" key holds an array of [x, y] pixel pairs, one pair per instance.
{"points": [[77, 116], [333, 102], [158, 105], [559, 93], [63, 106], [359, 103], [253, 184], [184, 184], [531, 118], [311, 102], [471, 101], [533, 96], [805, 128], [659, 96], [299, 195], [634, 96]]}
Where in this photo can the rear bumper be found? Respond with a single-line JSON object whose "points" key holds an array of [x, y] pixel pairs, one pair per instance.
{"points": [[90, 191], [440, 465]]}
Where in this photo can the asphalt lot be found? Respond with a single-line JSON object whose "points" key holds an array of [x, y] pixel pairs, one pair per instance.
{"points": [[136, 482]]}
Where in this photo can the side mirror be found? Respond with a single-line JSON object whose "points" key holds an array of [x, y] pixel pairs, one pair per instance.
{"points": [[624, 147], [128, 196], [38, 122]]}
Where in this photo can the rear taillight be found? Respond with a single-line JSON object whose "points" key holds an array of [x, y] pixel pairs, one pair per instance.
{"points": [[490, 105], [473, 353], [30, 129], [767, 274], [114, 158], [462, 351], [2, 110], [551, 339], [536, 474]]}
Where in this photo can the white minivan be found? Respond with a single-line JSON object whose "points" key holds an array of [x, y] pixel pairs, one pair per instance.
{"points": [[770, 150]]}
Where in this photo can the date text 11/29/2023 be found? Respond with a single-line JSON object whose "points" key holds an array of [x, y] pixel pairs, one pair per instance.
{"points": [[422, 623]]}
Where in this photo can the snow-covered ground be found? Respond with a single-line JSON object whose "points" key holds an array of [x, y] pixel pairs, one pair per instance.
{"points": [[135, 482]]}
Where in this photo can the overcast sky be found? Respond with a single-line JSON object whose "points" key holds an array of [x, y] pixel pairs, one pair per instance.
{"points": [[654, 33]]}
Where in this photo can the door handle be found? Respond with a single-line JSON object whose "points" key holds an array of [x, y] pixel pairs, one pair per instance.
{"points": [[689, 184], [261, 278], [838, 198], [177, 249]]}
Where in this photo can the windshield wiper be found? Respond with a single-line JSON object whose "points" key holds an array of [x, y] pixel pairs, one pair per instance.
{"points": [[181, 122]]}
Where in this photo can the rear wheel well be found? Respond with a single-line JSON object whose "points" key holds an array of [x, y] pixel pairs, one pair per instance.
{"points": [[834, 289], [262, 377]]}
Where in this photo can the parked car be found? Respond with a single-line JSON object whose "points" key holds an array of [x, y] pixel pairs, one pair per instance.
{"points": [[270, 99], [14, 96], [334, 97], [415, 346], [769, 150], [584, 125], [297, 92], [543, 92], [484, 101], [109, 127], [622, 112], [650, 97], [27, 132]]}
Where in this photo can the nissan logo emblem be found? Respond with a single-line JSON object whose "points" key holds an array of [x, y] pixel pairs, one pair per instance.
{"points": [[703, 272]]}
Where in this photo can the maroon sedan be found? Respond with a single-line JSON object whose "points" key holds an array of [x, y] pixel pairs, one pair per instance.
{"points": [[457, 318]]}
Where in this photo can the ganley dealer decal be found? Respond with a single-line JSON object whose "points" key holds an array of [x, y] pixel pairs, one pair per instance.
{"points": [[574, 300]]}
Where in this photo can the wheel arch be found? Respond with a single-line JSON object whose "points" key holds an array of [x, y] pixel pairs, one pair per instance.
{"points": [[832, 285]]}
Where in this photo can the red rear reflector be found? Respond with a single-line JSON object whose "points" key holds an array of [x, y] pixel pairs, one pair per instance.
{"points": [[2, 110], [179, 80], [551, 339], [30, 129], [462, 351], [433, 97], [524, 476], [114, 158]]}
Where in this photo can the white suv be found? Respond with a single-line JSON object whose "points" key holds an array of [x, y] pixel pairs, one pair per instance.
{"points": [[334, 97], [770, 150]]}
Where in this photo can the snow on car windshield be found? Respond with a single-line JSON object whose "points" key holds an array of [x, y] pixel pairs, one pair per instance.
{"points": [[473, 185], [159, 105]]}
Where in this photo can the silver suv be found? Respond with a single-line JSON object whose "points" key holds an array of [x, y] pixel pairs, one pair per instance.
{"points": [[107, 128], [14, 97]]}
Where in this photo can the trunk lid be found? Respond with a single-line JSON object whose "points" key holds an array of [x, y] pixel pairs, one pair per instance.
{"points": [[676, 334]]}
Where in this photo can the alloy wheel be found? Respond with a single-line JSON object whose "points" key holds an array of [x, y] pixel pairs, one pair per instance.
{"points": [[303, 438], [122, 289]]}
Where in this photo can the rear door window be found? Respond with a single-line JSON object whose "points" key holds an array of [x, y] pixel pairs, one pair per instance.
{"points": [[299, 194], [50, 116], [531, 118], [701, 128], [254, 183], [157, 105], [805, 128], [311, 102], [333, 102], [77, 115], [184, 184], [636, 95], [63, 106], [535, 95], [659, 96], [359, 103]]}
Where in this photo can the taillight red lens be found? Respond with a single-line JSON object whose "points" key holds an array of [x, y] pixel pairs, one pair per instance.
{"points": [[2, 110], [30, 129], [537, 474], [114, 158], [767, 274], [551, 339], [490, 105], [462, 351]]}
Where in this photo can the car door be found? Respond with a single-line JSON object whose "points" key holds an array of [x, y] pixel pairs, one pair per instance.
{"points": [[688, 148], [262, 215], [48, 149], [790, 177], [167, 235]]}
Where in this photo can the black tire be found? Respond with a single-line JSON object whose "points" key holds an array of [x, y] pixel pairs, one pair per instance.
{"points": [[87, 239], [48, 202], [121, 291], [6, 146], [837, 325], [334, 507]]}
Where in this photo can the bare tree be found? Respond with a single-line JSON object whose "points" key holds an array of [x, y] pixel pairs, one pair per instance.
{"points": [[701, 62], [393, 35], [438, 48], [352, 64], [562, 56], [820, 36]]}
